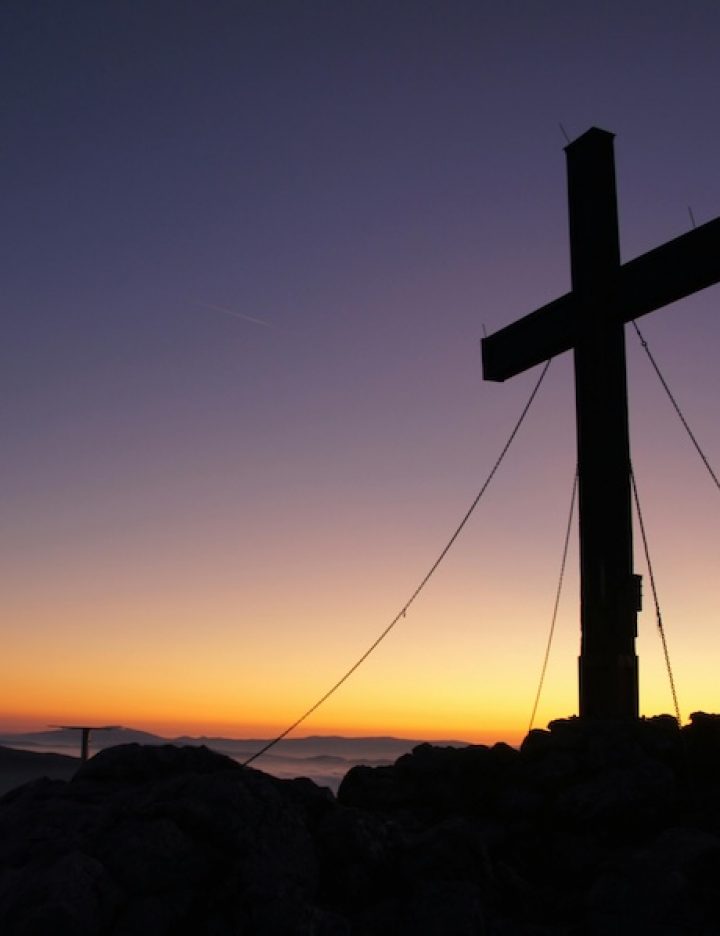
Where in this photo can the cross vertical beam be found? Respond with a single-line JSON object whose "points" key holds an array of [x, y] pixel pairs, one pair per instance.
{"points": [[608, 667]]}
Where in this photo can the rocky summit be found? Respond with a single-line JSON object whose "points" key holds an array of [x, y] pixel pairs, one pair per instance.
{"points": [[588, 828]]}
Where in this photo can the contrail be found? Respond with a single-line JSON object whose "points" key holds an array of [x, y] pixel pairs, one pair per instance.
{"points": [[240, 315]]}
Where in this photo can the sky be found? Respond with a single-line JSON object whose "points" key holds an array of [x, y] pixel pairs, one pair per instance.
{"points": [[249, 251]]}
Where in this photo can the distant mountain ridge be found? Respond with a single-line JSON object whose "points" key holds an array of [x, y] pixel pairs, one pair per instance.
{"points": [[70, 738], [310, 746], [325, 760]]}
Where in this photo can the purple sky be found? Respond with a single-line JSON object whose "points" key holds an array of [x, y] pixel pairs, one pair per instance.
{"points": [[249, 250]]}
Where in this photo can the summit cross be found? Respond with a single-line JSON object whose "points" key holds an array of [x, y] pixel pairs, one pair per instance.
{"points": [[591, 320]]}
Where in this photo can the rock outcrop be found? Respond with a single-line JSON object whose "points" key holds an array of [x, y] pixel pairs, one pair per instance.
{"points": [[587, 829], [18, 767]]}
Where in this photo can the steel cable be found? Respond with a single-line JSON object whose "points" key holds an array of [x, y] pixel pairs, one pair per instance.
{"points": [[423, 583]]}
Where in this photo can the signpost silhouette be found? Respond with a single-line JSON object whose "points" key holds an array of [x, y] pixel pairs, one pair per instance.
{"points": [[590, 320], [85, 735]]}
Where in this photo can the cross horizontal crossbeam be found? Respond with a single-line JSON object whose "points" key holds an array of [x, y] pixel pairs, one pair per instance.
{"points": [[666, 274]]}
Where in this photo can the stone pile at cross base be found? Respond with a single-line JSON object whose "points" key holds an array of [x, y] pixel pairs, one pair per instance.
{"points": [[606, 828]]}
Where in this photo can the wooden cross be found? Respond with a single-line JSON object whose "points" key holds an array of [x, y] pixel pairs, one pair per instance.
{"points": [[590, 320]]}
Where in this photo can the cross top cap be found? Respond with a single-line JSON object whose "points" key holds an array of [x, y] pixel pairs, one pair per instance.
{"points": [[591, 137]]}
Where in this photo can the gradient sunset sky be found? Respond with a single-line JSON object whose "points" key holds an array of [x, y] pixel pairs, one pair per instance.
{"points": [[249, 250]]}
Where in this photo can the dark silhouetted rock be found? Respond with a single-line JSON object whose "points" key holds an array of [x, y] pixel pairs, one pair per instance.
{"points": [[135, 763], [597, 828]]}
